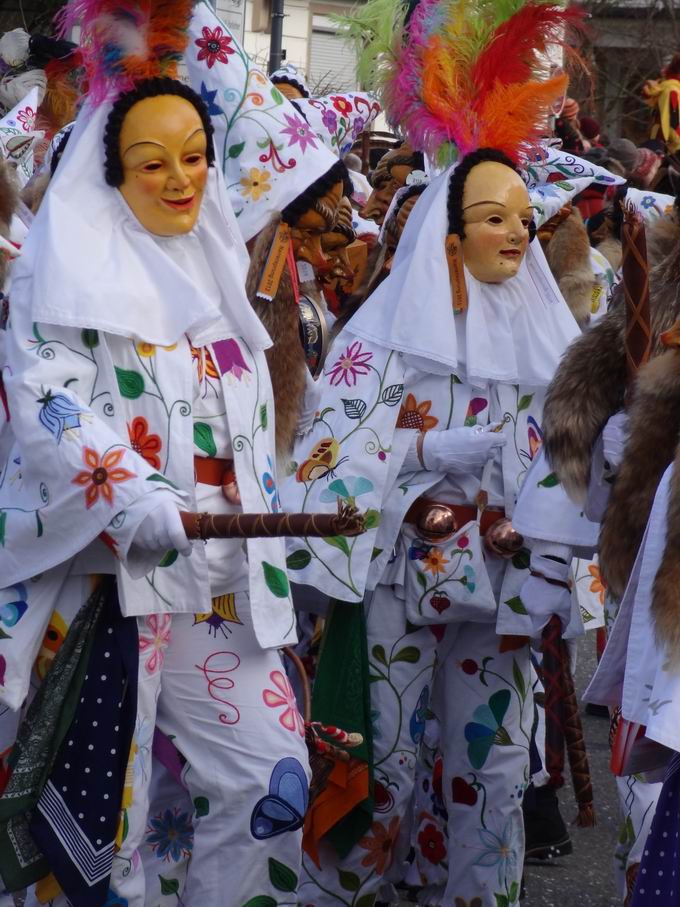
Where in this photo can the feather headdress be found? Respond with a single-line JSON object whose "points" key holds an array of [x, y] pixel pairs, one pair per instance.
{"points": [[464, 74], [125, 41]]}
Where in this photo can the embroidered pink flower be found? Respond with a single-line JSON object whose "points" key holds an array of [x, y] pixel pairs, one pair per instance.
{"points": [[27, 118], [101, 475], [214, 46], [299, 133], [154, 643], [230, 358], [291, 719], [350, 366]]}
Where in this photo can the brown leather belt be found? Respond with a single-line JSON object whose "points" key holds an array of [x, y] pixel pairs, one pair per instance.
{"points": [[213, 470], [461, 513]]}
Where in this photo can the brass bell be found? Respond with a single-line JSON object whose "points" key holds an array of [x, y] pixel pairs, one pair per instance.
{"points": [[502, 539], [437, 523]]}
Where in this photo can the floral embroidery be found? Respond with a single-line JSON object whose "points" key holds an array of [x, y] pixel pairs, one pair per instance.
{"points": [[256, 183], [330, 120], [171, 835], [431, 843], [145, 444], [299, 133], [204, 363], [415, 415], [380, 845], [434, 561], [102, 475], [155, 642], [291, 718], [147, 350], [350, 366], [500, 850], [27, 118], [597, 586], [487, 728], [230, 359], [342, 105], [358, 127], [215, 46], [59, 414]]}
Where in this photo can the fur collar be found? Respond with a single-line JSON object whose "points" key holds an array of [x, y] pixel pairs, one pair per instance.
{"points": [[568, 254]]}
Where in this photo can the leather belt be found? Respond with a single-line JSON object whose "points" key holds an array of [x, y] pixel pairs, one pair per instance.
{"points": [[461, 513], [213, 471]]}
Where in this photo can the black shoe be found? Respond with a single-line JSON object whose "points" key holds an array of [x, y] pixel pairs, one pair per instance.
{"points": [[546, 834], [597, 711]]}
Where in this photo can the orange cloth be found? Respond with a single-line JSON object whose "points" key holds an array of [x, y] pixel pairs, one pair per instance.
{"points": [[347, 786]]}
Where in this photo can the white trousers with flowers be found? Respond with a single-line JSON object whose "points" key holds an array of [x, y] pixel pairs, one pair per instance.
{"points": [[469, 820]]}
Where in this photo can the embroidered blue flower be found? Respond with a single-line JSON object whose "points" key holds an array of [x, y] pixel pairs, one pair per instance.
{"points": [[171, 835], [13, 610], [468, 578], [114, 900], [348, 488], [58, 414], [500, 849], [486, 728], [209, 98]]}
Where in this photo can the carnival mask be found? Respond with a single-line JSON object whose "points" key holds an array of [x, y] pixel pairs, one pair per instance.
{"points": [[391, 174], [163, 150], [497, 213], [318, 219]]}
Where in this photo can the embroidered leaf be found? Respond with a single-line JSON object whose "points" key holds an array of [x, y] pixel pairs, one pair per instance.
{"points": [[281, 876], [376, 553], [368, 900], [379, 654], [235, 150], [202, 806], [338, 541], [261, 900], [324, 412], [169, 558], [350, 881], [90, 338], [422, 580], [39, 525], [502, 900], [520, 561], [392, 395], [524, 402], [549, 481], [585, 615], [130, 384], [516, 605], [298, 560], [371, 518], [276, 580], [263, 416], [354, 409], [3, 520], [4, 635], [203, 438], [409, 654], [159, 477], [168, 886], [126, 825], [37, 334], [513, 892], [277, 97], [519, 679]]}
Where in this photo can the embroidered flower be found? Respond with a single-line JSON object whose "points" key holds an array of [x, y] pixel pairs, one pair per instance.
{"points": [[597, 586], [101, 475], [330, 120], [342, 105], [154, 643], [431, 843], [147, 350], [380, 844], [204, 363], [27, 118], [256, 183], [350, 366], [112, 899], [468, 578], [415, 415], [500, 849], [358, 127], [290, 718], [434, 561], [145, 444], [215, 46], [487, 728], [58, 414], [299, 133], [171, 835], [230, 359]]}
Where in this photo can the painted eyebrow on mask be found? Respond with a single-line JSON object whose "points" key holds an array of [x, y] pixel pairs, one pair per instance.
{"points": [[160, 144]]}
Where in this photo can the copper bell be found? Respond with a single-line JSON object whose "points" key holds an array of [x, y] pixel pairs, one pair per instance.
{"points": [[502, 539], [437, 523]]}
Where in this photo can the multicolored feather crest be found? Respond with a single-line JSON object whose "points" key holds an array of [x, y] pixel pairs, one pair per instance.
{"points": [[125, 41], [467, 74]]}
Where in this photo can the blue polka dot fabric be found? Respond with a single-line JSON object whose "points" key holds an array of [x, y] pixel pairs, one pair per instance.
{"points": [[77, 816], [658, 881]]}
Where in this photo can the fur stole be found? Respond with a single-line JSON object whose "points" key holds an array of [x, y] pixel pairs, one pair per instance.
{"points": [[286, 358], [568, 254], [590, 382], [654, 422], [665, 601], [612, 250]]}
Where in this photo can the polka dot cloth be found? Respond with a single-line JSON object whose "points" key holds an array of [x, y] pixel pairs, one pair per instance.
{"points": [[658, 881], [77, 816]]}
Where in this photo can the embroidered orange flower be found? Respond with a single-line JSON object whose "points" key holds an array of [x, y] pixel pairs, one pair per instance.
{"points": [[597, 585], [380, 845], [147, 350], [435, 562], [147, 445], [101, 475], [256, 183], [415, 415], [204, 363]]}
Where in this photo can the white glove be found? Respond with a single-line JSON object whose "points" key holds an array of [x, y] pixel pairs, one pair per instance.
{"points": [[461, 450], [162, 530], [614, 438], [541, 598]]}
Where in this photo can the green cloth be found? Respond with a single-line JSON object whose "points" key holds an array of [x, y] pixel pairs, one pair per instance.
{"points": [[342, 698], [41, 733]]}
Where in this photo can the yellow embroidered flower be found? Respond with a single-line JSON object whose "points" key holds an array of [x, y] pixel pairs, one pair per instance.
{"points": [[597, 585], [149, 349], [256, 183], [415, 415], [435, 562]]}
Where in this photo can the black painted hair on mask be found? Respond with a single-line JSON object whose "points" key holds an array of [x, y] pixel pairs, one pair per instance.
{"points": [[337, 174]]}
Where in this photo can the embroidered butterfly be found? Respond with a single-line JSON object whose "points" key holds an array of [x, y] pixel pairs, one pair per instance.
{"points": [[535, 438], [322, 461], [284, 807]]}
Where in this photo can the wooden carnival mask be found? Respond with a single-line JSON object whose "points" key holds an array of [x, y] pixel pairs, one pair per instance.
{"points": [[307, 230], [391, 174], [165, 169]]}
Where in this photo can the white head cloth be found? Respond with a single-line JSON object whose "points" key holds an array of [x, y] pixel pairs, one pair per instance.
{"points": [[268, 153], [547, 164], [513, 332], [339, 119], [650, 205], [88, 262]]}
